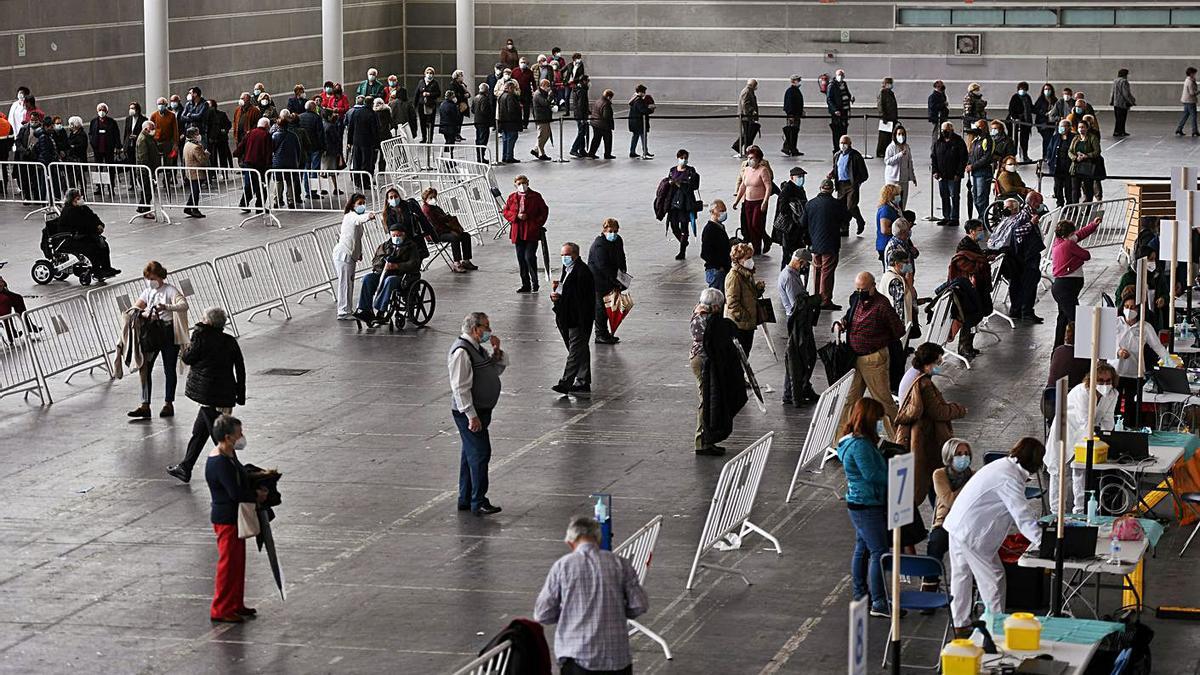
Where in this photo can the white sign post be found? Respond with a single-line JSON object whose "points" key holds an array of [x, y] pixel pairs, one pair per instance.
{"points": [[858, 637], [900, 510]]}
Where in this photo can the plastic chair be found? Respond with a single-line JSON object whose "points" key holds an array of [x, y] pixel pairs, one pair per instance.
{"points": [[918, 567], [1031, 492]]}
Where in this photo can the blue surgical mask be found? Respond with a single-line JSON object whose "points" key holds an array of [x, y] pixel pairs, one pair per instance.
{"points": [[938, 370], [723, 217], [906, 268], [395, 203], [398, 240], [961, 463], [879, 428], [611, 236], [360, 209], [567, 261], [798, 180], [485, 337]]}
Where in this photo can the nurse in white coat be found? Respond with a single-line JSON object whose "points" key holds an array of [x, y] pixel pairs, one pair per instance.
{"points": [[348, 251], [1128, 348], [986, 509], [1077, 432]]}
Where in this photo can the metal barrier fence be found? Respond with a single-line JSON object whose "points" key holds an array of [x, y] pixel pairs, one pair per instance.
{"points": [[68, 341], [483, 202], [464, 167], [732, 503], [413, 156], [18, 372], [299, 267], [999, 292], [639, 549], [822, 431], [249, 283], [395, 154], [411, 184], [492, 662], [215, 188], [301, 190], [374, 233], [30, 189], [941, 324], [129, 185]]}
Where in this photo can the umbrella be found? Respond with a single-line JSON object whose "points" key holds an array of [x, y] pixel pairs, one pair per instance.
{"points": [[267, 540], [617, 306], [546, 256], [837, 358], [758, 397], [767, 335]]}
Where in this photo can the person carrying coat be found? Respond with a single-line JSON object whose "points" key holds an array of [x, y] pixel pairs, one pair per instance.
{"points": [[602, 125], [802, 311], [889, 114], [526, 213], [216, 380], [790, 228], [640, 108], [720, 376], [573, 295], [741, 295], [606, 257], [682, 202], [923, 423], [428, 93]]}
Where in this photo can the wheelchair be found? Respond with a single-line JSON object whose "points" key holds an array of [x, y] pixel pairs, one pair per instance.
{"points": [[412, 301], [62, 258]]}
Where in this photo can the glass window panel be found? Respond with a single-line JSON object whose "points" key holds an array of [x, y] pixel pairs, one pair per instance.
{"points": [[978, 17], [1030, 17], [1185, 17], [924, 17], [1143, 17], [1088, 17]]}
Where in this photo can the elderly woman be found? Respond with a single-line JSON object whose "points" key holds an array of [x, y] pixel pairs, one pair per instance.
{"points": [[164, 311], [741, 294], [923, 423], [947, 482], [902, 241], [718, 370], [446, 229], [889, 113], [230, 486], [78, 218], [683, 201], [1010, 182], [755, 183], [1068, 257], [77, 141]]}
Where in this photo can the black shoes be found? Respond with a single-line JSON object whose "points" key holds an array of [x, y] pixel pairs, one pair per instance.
{"points": [[486, 510], [607, 339], [464, 507], [711, 451], [582, 389], [142, 412], [524, 289], [364, 315], [831, 307], [1032, 318], [562, 388], [178, 472]]}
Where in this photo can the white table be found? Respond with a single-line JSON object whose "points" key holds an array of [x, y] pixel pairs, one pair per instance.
{"points": [[1082, 571], [1079, 656]]}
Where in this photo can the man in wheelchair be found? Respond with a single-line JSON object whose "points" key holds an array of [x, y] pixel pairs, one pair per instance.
{"points": [[395, 267], [77, 230]]}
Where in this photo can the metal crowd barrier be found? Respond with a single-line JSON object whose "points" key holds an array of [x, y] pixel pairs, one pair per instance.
{"points": [[129, 185], [18, 372], [217, 188], [822, 430], [299, 266], [492, 662], [486, 211], [468, 169], [411, 184], [639, 550], [68, 341], [300, 190], [426, 156], [250, 283], [30, 188], [940, 326], [1116, 216], [395, 154]]}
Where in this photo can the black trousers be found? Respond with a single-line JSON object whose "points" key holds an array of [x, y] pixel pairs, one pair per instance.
{"points": [[1065, 291], [746, 339], [579, 354], [567, 666], [599, 135], [1062, 190], [1127, 389], [527, 263], [1121, 114], [838, 127], [1082, 186], [96, 250], [1020, 134], [426, 122], [601, 315], [201, 436]]}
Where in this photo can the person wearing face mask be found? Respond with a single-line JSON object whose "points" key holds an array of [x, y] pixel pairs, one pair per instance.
{"points": [[195, 158], [348, 250], [948, 162], [363, 136], [147, 154], [838, 101], [245, 117], [924, 421], [164, 313], [450, 121], [166, 132], [267, 109], [1003, 145], [395, 266], [602, 125], [526, 213], [898, 164], [580, 107], [543, 114], [606, 257], [508, 121], [1129, 329], [576, 70], [980, 156], [1020, 238], [405, 113], [483, 108], [573, 295], [902, 241], [677, 200], [333, 99], [1009, 181], [1121, 100], [1057, 163], [509, 55], [462, 97], [543, 70], [428, 95], [196, 113], [288, 153], [255, 152], [1062, 105], [76, 141], [793, 108], [641, 106], [1020, 118], [78, 218], [886, 214], [827, 219], [747, 117], [850, 172], [790, 229], [720, 377], [447, 230], [133, 128], [296, 101], [974, 107], [312, 140], [802, 311], [230, 485], [866, 499], [1043, 106], [105, 137], [370, 87], [1107, 396], [742, 292], [1157, 283], [889, 113], [1084, 151], [948, 481], [871, 326], [524, 78], [714, 246], [16, 112], [1084, 107], [897, 284], [1068, 257], [475, 391], [971, 262], [755, 185]]}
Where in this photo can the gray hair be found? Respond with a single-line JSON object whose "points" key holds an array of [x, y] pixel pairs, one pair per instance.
{"points": [[225, 426], [1010, 202], [484, 88], [897, 256], [950, 447], [711, 297], [582, 527], [901, 225], [215, 317], [147, 125], [472, 321], [574, 247]]}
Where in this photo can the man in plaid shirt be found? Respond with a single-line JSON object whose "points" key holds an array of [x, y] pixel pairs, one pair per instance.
{"points": [[871, 323], [590, 593]]}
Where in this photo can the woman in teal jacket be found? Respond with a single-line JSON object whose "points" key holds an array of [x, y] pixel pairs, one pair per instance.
{"points": [[866, 490]]}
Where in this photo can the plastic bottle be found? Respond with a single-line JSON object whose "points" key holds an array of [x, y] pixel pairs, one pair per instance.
{"points": [[600, 511], [1114, 551], [1092, 507], [1119, 425]]}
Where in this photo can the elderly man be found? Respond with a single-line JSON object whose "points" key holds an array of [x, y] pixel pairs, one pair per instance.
{"points": [[949, 164], [105, 136], [1023, 248], [573, 295], [828, 220], [793, 108], [148, 155], [871, 324], [747, 116], [805, 309], [849, 173], [370, 87], [217, 381], [396, 261], [254, 151], [591, 593], [475, 388], [838, 100]]}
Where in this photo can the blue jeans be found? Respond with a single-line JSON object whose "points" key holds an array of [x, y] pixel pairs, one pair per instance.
{"points": [[314, 162], [473, 466], [482, 133], [981, 191], [633, 142], [870, 543], [715, 279], [170, 356], [1189, 110], [508, 141], [951, 191], [370, 285]]}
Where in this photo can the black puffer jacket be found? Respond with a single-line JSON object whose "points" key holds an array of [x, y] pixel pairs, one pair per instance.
{"points": [[218, 373]]}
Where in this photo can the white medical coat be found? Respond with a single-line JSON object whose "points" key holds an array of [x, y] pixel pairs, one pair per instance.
{"points": [[1077, 414], [989, 505], [1127, 338]]}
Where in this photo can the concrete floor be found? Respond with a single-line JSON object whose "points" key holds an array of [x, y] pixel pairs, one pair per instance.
{"points": [[110, 561]]}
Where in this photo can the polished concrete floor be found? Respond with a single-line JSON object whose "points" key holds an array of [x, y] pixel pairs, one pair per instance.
{"points": [[109, 561]]}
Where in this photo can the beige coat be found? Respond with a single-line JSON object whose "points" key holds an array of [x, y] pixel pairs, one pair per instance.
{"points": [[194, 156], [741, 298]]}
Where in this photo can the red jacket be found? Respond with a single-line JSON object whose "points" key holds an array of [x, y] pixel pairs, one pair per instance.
{"points": [[525, 83], [338, 103], [254, 150], [528, 228]]}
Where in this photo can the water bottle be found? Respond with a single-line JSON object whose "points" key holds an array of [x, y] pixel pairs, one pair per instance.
{"points": [[1120, 424], [600, 511], [1114, 550], [1092, 507]]}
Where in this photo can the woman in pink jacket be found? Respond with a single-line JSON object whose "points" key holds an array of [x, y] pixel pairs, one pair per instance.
{"points": [[754, 190], [1067, 258]]}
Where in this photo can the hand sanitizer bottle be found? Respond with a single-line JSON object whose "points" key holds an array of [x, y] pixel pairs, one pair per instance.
{"points": [[1092, 507]]}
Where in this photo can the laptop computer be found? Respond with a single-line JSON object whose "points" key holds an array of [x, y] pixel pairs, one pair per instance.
{"points": [[1079, 541], [1131, 445], [1172, 381]]}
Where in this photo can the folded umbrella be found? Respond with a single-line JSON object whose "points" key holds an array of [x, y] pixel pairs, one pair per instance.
{"points": [[758, 397], [267, 540], [837, 359], [617, 306]]}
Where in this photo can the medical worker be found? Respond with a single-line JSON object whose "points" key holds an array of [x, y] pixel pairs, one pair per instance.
{"points": [[1077, 432], [986, 509]]}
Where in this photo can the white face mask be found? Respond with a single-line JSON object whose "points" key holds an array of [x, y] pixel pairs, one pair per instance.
{"points": [[1131, 313], [1048, 92], [21, 96], [240, 444], [1150, 267], [432, 201], [682, 163], [132, 112], [1103, 389], [372, 77], [900, 139], [844, 146], [748, 263], [840, 77], [428, 78], [521, 188], [102, 114], [1012, 168]]}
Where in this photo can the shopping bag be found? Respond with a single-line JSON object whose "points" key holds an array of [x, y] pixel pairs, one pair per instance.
{"points": [[248, 525]]}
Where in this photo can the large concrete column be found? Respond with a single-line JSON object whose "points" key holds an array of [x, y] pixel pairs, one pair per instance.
{"points": [[331, 40], [464, 22], [157, 51]]}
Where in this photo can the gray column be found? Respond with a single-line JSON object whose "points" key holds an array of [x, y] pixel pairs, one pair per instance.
{"points": [[464, 22], [331, 40], [157, 51]]}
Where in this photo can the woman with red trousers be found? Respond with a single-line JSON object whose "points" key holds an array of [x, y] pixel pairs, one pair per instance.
{"points": [[230, 486]]}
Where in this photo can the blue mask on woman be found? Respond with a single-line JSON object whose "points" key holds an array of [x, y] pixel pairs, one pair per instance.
{"points": [[611, 236], [395, 203], [360, 209], [961, 463]]}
